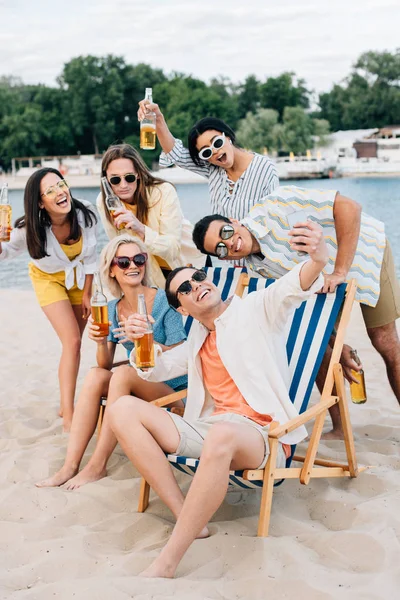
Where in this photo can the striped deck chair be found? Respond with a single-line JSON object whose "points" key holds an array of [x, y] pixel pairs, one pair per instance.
{"points": [[307, 337], [226, 281]]}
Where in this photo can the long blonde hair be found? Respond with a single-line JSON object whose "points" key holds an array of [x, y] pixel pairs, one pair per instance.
{"points": [[108, 254]]}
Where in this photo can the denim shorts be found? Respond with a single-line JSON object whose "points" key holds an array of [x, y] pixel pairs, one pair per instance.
{"points": [[192, 435]]}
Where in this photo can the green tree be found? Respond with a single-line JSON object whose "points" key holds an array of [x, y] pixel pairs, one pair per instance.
{"points": [[282, 91], [96, 98], [369, 97], [248, 96], [256, 131]]}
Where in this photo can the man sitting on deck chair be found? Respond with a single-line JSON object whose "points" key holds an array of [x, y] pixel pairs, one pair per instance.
{"points": [[238, 380], [358, 249]]}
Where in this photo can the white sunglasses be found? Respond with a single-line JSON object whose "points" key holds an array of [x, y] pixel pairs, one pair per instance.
{"points": [[217, 143]]}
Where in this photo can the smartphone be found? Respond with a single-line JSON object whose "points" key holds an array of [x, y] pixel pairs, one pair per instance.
{"points": [[297, 216]]}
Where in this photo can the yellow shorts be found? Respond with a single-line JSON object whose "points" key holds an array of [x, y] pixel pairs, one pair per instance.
{"points": [[50, 287], [387, 309]]}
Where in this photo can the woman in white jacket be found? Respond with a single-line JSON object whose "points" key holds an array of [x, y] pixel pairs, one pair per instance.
{"points": [[151, 211], [59, 233]]}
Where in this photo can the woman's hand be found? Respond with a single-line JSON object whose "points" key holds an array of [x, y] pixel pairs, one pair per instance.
{"points": [[86, 308], [132, 328], [127, 220], [93, 332], [4, 232], [145, 106]]}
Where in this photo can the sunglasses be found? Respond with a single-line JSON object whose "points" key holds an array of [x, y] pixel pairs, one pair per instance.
{"points": [[53, 190], [124, 262], [129, 178], [186, 287], [225, 233], [217, 143]]}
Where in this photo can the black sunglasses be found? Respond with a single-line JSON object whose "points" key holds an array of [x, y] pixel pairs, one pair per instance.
{"points": [[129, 178], [225, 233], [186, 287], [124, 262]]}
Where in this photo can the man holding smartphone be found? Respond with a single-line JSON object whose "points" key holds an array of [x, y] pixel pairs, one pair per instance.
{"points": [[270, 238]]}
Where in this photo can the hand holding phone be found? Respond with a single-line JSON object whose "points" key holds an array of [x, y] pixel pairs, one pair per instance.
{"points": [[295, 217]]}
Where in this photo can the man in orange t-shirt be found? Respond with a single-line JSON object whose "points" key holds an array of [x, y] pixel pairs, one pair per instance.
{"points": [[237, 382]]}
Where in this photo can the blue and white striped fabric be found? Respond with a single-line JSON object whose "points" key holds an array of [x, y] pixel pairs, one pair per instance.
{"points": [[307, 337]]}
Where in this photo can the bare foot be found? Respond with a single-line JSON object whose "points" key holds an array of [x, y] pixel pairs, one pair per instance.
{"points": [[67, 422], [60, 412], [157, 569], [58, 478], [87, 475], [204, 533], [335, 434]]}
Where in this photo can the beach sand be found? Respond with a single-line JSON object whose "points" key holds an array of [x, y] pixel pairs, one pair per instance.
{"points": [[331, 539]]}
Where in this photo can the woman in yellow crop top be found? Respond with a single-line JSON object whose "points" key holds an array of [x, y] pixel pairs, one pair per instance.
{"points": [[152, 212], [59, 233]]}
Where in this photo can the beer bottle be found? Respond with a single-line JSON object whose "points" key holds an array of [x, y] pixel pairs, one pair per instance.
{"points": [[99, 306], [145, 345], [113, 203], [5, 214], [358, 391], [148, 126]]}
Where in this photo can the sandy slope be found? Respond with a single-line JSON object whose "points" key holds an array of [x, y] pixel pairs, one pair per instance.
{"points": [[331, 539]]}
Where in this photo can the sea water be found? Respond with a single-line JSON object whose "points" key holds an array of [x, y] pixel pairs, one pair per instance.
{"points": [[379, 197]]}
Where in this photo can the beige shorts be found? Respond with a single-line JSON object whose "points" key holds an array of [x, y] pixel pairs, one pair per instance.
{"points": [[192, 435], [387, 309]]}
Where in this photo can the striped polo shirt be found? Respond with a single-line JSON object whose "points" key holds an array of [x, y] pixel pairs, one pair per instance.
{"points": [[227, 198], [268, 223]]}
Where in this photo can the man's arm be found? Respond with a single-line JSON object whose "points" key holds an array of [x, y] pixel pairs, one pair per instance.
{"points": [[347, 216]]}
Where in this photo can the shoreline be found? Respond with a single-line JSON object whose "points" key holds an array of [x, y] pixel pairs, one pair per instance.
{"points": [[174, 175]]}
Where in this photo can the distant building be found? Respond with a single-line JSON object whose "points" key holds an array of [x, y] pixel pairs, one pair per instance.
{"points": [[382, 143]]}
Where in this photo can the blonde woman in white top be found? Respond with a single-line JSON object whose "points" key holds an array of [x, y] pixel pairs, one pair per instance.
{"points": [[59, 233], [151, 211]]}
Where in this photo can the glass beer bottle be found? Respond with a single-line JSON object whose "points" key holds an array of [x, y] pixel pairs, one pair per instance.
{"points": [[99, 306], [113, 203], [145, 345], [148, 126], [5, 214], [358, 391]]}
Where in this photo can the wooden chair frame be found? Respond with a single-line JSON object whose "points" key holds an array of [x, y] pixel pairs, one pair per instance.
{"points": [[312, 467]]}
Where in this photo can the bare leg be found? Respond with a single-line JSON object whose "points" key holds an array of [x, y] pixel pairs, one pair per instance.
{"points": [[68, 324], [227, 445], [83, 425], [385, 340], [337, 431], [124, 381]]}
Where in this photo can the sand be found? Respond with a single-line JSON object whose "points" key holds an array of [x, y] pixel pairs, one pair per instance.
{"points": [[332, 539]]}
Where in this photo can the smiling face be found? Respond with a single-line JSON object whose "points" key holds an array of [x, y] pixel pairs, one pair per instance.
{"points": [[133, 275], [239, 245], [201, 301], [221, 157], [55, 196], [117, 168]]}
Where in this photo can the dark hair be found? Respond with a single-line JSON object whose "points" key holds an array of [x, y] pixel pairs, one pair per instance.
{"points": [[201, 228], [144, 181], [36, 220], [171, 296], [205, 125]]}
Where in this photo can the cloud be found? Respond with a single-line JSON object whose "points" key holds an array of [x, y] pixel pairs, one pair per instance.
{"points": [[318, 39]]}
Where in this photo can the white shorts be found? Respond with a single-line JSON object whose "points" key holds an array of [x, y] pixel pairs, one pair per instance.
{"points": [[192, 435]]}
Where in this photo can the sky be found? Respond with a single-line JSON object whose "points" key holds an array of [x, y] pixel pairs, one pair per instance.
{"points": [[317, 39]]}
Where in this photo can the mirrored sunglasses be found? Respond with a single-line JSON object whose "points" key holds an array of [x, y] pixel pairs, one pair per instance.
{"points": [[124, 262], [225, 233], [186, 287], [129, 178], [217, 143], [53, 190]]}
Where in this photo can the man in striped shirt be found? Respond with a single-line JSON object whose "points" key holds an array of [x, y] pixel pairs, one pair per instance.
{"points": [[358, 249]]}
